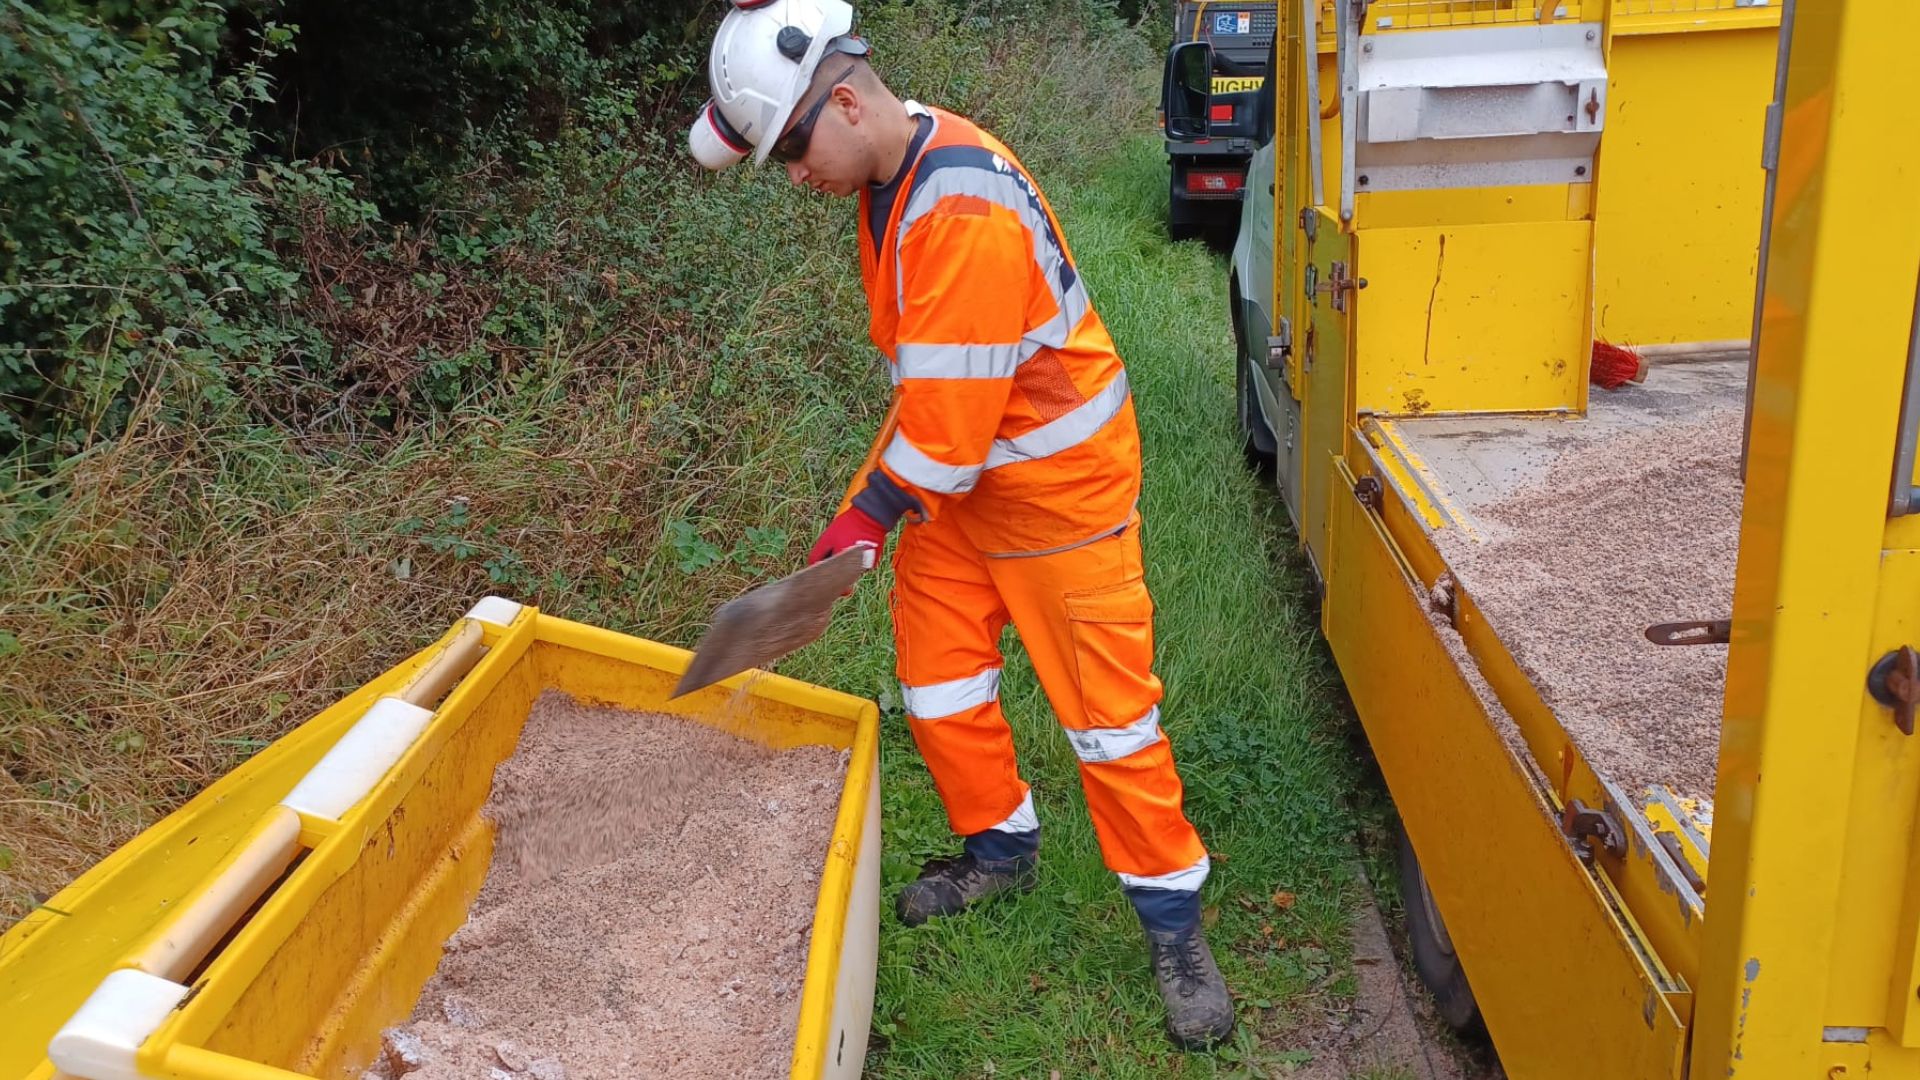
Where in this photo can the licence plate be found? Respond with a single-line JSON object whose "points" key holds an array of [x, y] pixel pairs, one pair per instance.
{"points": [[1229, 84]]}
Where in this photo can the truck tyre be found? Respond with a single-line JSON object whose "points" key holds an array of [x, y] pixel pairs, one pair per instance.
{"points": [[1433, 956]]}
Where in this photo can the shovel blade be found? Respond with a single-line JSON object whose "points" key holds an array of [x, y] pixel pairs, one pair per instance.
{"points": [[762, 625]]}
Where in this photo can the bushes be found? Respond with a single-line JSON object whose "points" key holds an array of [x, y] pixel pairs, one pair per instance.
{"points": [[580, 376], [342, 215], [406, 95], [138, 238]]}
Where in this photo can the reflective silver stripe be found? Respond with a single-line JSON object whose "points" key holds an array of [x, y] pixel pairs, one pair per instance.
{"points": [[1054, 333], [1065, 432], [1001, 185], [959, 361], [935, 700], [1023, 819], [1112, 744], [915, 361], [1179, 881], [916, 468]]}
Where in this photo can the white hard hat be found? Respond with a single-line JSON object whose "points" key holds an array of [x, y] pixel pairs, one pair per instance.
{"points": [[762, 62]]}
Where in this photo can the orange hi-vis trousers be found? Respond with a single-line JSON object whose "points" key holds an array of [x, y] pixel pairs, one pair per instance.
{"points": [[1087, 622]]}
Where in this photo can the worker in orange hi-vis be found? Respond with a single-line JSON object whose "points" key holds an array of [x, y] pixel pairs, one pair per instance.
{"points": [[1012, 455]]}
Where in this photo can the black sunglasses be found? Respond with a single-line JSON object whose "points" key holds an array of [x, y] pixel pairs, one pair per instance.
{"points": [[792, 146]]}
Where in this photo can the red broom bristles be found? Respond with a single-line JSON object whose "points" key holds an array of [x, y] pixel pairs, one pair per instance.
{"points": [[1615, 366]]}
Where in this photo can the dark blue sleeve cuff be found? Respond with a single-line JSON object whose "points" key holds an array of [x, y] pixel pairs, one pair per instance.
{"points": [[885, 501]]}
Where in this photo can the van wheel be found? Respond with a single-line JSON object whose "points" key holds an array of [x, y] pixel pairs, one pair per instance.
{"points": [[1256, 437], [1433, 956]]}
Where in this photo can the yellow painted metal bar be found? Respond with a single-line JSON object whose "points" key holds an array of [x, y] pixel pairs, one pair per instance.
{"points": [[1663, 820], [1629, 16], [1881, 847], [1836, 311], [194, 1063], [1324, 336], [1632, 24], [1423, 492]]}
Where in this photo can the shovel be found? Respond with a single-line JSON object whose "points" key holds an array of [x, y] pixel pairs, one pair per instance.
{"points": [[762, 625]]}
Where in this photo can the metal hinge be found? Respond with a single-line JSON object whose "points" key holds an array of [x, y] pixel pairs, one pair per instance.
{"points": [[1770, 141]]}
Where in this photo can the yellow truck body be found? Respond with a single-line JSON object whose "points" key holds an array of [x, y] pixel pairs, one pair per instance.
{"points": [[1416, 307]]}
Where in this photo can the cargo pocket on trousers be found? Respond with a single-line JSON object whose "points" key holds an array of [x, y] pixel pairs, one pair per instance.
{"points": [[1112, 631]]}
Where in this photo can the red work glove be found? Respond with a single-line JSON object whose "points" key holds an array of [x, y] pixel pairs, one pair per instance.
{"points": [[853, 528]]}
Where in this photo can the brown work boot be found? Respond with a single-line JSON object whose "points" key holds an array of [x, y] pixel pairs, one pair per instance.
{"points": [[947, 886], [1199, 1009]]}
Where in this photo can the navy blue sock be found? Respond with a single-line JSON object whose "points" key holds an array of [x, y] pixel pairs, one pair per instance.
{"points": [[994, 846], [1166, 910]]}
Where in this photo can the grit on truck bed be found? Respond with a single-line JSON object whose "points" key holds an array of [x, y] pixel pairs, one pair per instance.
{"points": [[1573, 536], [647, 912]]}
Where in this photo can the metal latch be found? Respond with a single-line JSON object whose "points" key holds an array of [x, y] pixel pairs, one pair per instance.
{"points": [[1367, 489], [1339, 284], [1585, 822], [1280, 345], [1895, 682]]}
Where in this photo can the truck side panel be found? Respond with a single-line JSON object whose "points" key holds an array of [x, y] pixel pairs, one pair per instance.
{"points": [[1545, 952]]}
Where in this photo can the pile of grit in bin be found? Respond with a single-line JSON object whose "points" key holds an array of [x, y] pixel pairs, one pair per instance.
{"points": [[1639, 528], [647, 911]]}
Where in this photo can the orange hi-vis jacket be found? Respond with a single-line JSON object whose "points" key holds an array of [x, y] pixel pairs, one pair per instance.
{"points": [[1008, 390]]}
